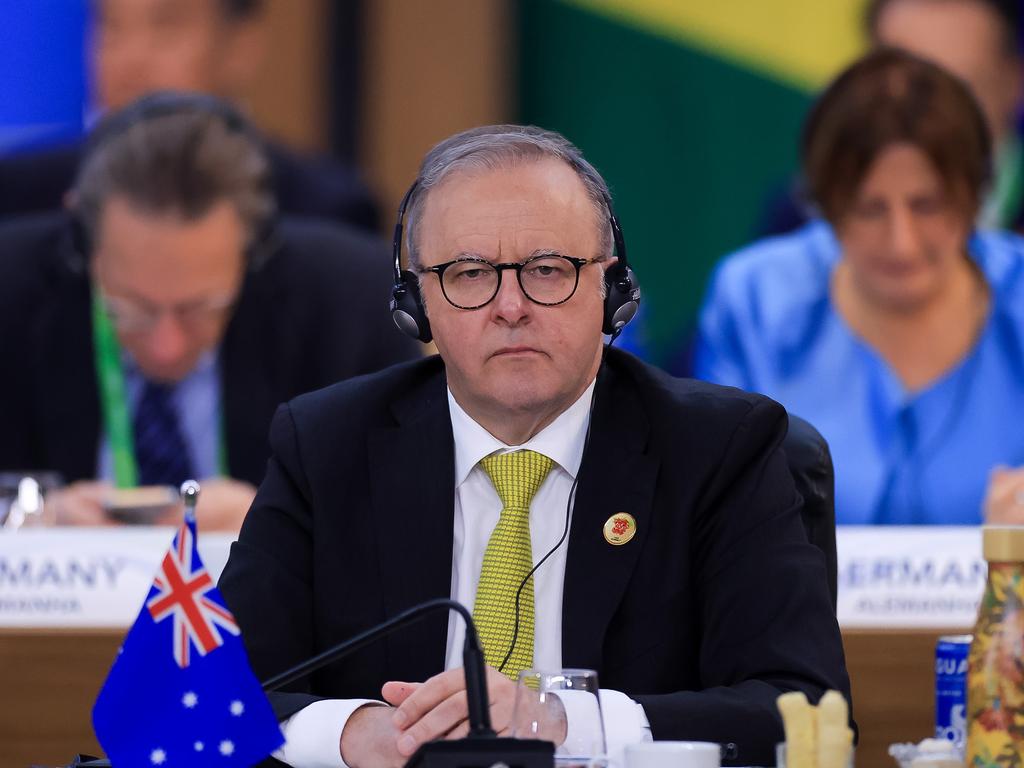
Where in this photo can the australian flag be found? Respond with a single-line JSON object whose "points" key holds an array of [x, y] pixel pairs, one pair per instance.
{"points": [[181, 691]]}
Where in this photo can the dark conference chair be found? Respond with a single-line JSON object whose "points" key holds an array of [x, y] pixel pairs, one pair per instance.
{"points": [[811, 464]]}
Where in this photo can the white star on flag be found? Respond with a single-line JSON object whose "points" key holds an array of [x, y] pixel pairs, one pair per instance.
{"points": [[237, 708], [157, 757], [189, 700], [198, 746], [226, 748]]}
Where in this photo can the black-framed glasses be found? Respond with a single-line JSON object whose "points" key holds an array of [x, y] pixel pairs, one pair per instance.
{"points": [[133, 316], [547, 279]]}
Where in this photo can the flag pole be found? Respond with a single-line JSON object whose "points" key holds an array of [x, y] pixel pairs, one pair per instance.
{"points": [[189, 497]]}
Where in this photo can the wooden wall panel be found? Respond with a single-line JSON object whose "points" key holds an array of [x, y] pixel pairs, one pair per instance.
{"points": [[289, 97], [430, 69]]}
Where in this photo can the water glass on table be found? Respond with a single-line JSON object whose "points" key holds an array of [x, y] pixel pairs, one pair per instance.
{"points": [[545, 700]]}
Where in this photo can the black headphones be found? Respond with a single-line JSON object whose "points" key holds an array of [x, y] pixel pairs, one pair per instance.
{"points": [[622, 292], [265, 240]]}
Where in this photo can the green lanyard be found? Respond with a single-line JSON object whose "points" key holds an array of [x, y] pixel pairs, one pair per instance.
{"points": [[114, 401], [1012, 187]]}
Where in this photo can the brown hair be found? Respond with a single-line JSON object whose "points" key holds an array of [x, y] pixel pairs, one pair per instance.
{"points": [[890, 96], [179, 154]]}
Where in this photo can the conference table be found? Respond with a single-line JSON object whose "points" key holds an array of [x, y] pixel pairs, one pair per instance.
{"points": [[51, 677], [51, 674]]}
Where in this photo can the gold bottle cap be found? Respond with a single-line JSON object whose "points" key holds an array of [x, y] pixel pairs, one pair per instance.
{"points": [[1003, 543]]}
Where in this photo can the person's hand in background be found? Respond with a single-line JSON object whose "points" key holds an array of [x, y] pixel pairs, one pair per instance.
{"points": [[223, 503], [1004, 498], [80, 503]]}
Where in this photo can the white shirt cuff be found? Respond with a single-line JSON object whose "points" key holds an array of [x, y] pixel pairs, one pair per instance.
{"points": [[313, 734], [625, 722]]}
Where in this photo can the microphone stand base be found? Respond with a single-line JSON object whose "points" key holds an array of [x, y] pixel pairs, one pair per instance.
{"points": [[484, 753]]}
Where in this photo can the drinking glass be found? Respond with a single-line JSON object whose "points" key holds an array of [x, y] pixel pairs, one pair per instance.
{"points": [[545, 701], [780, 756], [22, 499]]}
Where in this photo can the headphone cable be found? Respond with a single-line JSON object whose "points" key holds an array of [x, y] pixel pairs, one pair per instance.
{"points": [[565, 530]]}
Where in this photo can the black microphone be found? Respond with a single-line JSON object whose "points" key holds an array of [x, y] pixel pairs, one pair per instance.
{"points": [[472, 659], [482, 747]]}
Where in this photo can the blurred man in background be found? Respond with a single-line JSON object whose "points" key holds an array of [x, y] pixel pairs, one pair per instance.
{"points": [[980, 42], [206, 46], [157, 327]]}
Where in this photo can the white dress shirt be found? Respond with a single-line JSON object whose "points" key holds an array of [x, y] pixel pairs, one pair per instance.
{"points": [[314, 733]]}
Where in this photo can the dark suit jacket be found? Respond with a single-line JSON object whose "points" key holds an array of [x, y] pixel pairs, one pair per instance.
{"points": [[716, 606], [314, 313], [810, 463], [314, 186]]}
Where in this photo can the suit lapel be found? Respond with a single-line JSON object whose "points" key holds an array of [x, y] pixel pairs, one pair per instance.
{"points": [[412, 470], [616, 476]]}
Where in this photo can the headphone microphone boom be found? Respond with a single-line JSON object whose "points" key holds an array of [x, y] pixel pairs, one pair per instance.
{"points": [[622, 291]]}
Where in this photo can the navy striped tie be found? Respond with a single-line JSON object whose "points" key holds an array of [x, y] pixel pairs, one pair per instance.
{"points": [[160, 451]]}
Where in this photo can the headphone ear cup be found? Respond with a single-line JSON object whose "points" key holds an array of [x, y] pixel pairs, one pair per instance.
{"points": [[267, 241], [407, 308], [622, 299], [81, 244]]}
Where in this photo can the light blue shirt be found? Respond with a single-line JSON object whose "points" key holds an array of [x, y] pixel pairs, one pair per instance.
{"points": [[196, 399], [901, 457]]}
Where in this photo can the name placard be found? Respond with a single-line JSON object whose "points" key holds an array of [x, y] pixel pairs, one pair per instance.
{"points": [[87, 577], [926, 577], [921, 577]]}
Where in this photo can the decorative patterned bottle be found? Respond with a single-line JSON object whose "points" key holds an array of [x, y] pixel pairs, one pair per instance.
{"points": [[995, 666]]}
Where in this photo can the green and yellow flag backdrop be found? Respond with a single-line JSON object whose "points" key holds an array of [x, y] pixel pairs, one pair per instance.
{"points": [[692, 111]]}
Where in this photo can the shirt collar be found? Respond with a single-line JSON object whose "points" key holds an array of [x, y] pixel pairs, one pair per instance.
{"points": [[561, 441], [206, 364]]}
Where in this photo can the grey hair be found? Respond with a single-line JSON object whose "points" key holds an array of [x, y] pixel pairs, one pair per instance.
{"points": [[180, 162], [502, 146]]}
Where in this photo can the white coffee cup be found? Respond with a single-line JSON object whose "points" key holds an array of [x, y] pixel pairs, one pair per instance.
{"points": [[674, 754]]}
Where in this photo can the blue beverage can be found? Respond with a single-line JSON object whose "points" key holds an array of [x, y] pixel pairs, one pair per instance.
{"points": [[951, 688]]}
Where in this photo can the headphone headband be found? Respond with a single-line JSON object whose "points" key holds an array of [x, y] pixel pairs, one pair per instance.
{"points": [[166, 104], [622, 292], [265, 240]]}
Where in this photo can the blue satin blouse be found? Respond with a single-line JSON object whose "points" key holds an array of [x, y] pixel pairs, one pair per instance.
{"points": [[901, 457]]}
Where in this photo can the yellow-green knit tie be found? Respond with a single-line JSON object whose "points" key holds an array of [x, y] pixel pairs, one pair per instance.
{"points": [[507, 560]]}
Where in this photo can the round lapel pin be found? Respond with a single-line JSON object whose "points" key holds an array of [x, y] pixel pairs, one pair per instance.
{"points": [[619, 529]]}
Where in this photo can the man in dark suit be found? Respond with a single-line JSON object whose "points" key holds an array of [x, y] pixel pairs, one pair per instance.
{"points": [[183, 315], [686, 579], [206, 46]]}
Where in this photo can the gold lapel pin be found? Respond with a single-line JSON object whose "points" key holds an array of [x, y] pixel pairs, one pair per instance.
{"points": [[619, 529]]}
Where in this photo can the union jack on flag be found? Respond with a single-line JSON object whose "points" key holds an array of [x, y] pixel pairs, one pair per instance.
{"points": [[181, 587], [164, 704]]}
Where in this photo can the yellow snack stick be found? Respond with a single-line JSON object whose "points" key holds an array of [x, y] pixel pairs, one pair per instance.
{"points": [[800, 724], [834, 735]]}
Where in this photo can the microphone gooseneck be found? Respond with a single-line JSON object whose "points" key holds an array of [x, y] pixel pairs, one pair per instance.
{"points": [[472, 659]]}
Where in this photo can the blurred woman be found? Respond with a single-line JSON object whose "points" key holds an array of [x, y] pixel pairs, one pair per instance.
{"points": [[888, 323]]}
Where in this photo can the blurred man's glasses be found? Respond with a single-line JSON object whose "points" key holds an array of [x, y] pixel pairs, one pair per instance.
{"points": [[547, 279], [131, 316]]}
